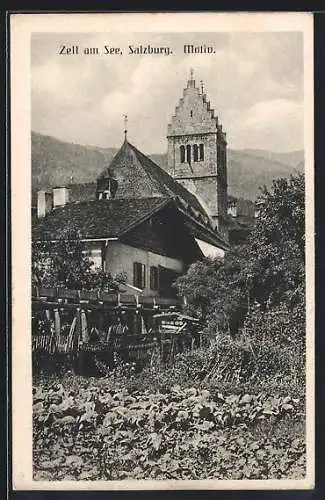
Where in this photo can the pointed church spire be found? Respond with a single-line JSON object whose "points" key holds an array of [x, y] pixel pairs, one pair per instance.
{"points": [[125, 127]]}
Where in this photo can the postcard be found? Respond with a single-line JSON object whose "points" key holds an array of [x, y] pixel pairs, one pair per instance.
{"points": [[162, 179]]}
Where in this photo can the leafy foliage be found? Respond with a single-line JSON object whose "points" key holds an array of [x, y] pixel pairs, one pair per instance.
{"points": [[267, 270], [64, 263], [94, 431], [277, 245]]}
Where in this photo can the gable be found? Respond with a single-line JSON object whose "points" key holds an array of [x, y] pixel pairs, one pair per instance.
{"points": [[138, 177], [193, 114], [165, 233], [132, 179]]}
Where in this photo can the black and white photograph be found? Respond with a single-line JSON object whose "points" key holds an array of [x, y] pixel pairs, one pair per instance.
{"points": [[162, 251]]}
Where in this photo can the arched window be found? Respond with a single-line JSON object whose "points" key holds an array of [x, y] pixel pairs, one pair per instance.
{"points": [[195, 153], [201, 152], [191, 114], [182, 151], [188, 153]]}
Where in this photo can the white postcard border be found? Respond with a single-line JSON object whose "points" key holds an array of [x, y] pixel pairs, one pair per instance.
{"points": [[22, 26]]}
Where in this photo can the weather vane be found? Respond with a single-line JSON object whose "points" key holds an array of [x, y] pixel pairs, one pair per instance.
{"points": [[125, 126], [202, 87]]}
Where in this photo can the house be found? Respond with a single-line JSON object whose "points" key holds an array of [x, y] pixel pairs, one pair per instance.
{"points": [[241, 219], [139, 219]]}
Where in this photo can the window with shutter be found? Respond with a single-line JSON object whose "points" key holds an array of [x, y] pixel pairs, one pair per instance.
{"points": [[139, 275], [154, 278]]}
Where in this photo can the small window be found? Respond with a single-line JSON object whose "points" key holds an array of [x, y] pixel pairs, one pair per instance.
{"points": [[139, 275], [201, 152], [195, 152], [191, 114], [182, 151], [154, 278], [188, 153]]}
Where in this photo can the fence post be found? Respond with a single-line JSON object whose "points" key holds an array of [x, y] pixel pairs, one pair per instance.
{"points": [[84, 328], [57, 326]]}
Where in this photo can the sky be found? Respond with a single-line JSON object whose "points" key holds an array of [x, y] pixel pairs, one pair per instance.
{"points": [[253, 80]]}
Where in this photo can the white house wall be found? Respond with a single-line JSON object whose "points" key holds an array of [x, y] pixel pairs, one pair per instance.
{"points": [[121, 257]]}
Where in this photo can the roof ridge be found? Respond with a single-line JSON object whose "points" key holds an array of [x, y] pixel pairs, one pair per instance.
{"points": [[139, 156]]}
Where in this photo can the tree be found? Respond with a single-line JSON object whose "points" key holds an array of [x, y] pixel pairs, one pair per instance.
{"points": [[277, 243], [269, 269], [63, 263], [198, 285], [216, 288]]}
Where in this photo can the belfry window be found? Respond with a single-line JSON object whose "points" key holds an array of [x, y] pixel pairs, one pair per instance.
{"points": [[182, 151], [191, 114], [188, 153], [195, 152], [201, 152]]}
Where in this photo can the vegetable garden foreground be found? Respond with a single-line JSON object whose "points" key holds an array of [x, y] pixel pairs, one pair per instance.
{"points": [[141, 426]]}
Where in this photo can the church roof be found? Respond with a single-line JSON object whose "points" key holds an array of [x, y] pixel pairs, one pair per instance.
{"points": [[167, 184], [139, 176], [96, 219]]}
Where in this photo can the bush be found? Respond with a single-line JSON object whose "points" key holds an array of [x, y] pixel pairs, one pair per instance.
{"points": [[270, 352]]}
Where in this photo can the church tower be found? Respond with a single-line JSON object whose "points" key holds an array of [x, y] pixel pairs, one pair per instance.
{"points": [[197, 153]]}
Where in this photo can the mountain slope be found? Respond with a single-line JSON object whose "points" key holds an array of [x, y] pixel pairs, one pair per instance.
{"points": [[247, 173], [292, 158], [56, 163]]}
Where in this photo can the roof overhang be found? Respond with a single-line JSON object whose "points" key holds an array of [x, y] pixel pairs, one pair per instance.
{"points": [[209, 250], [204, 233]]}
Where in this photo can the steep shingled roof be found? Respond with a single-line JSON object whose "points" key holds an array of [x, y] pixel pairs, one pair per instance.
{"points": [[96, 219], [100, 219], [163, 184]]}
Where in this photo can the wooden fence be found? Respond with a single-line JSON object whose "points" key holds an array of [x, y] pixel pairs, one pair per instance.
{"points": [[84, 323], [57, 296]]}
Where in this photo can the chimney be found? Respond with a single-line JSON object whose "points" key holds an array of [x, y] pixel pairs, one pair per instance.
{"points": [[44, 203], [60, 196]]}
